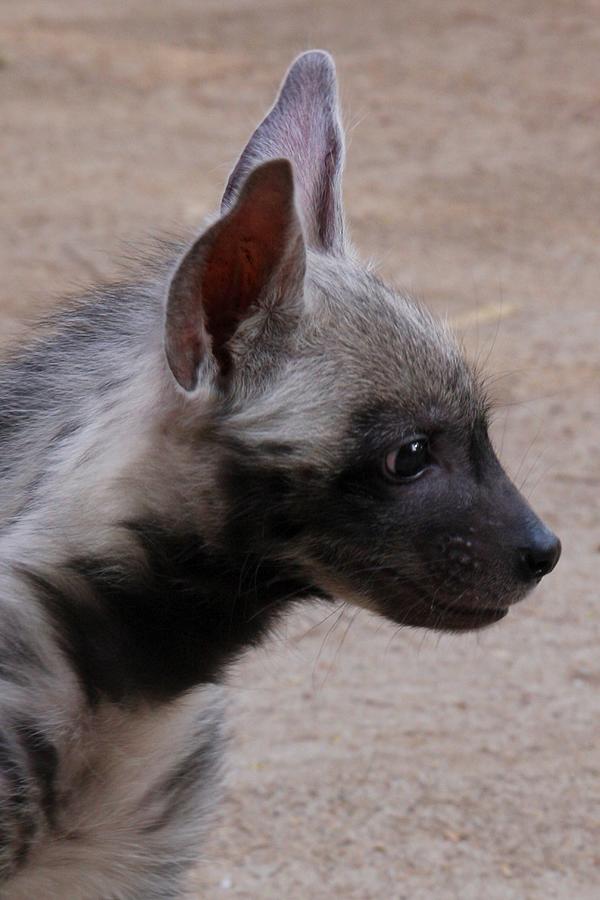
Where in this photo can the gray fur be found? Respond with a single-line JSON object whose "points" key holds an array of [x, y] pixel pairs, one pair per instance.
{"points": [[152, 526], [303, 125]]}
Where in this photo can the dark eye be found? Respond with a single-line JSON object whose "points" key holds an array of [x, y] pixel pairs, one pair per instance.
{"points": [[408, 460]]}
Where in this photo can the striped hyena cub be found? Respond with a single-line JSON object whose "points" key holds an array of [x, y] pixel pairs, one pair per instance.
{"points": [[257, 421]]}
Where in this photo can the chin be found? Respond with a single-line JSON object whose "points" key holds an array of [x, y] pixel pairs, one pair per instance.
{"points": [[437, 614], [465, 618]]}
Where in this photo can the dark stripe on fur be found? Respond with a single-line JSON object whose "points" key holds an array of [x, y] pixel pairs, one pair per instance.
{"points": [[18, 823], [175, 625], [181, 785], [43, 763]]}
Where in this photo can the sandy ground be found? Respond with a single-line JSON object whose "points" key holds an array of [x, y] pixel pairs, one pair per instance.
{"points": [[368, 762]]}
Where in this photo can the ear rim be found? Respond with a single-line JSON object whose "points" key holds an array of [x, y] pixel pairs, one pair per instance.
{"points": [[188, 343], [318, 68]]}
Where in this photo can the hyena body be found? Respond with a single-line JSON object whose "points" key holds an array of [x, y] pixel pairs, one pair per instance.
{"points": [[257, 421]]}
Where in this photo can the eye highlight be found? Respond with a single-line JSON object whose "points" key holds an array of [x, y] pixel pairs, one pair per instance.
{"points": [[408, 461]]}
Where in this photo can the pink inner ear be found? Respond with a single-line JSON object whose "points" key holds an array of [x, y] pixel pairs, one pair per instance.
{"points": [[246, 250]]}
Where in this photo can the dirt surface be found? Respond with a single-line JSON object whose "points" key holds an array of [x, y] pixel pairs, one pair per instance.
{"points": [[369, 762]]}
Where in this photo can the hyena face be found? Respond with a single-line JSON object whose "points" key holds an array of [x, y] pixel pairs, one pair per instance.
{"points": [[352, 434]]}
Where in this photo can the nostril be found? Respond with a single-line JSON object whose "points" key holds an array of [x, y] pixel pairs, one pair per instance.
{"points": [[541, 556]]}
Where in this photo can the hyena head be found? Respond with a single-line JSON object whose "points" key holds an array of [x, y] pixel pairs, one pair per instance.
{"points": [[352, 434]]}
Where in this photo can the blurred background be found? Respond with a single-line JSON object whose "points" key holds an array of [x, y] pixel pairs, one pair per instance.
{"points": [[368, 762]]}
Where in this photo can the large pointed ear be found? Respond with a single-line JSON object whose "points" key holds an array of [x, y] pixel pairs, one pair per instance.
{"points": [[255, 253], [304, 126]]}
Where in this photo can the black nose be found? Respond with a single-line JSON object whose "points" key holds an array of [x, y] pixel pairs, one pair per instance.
{"points": [[541, 555]]}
